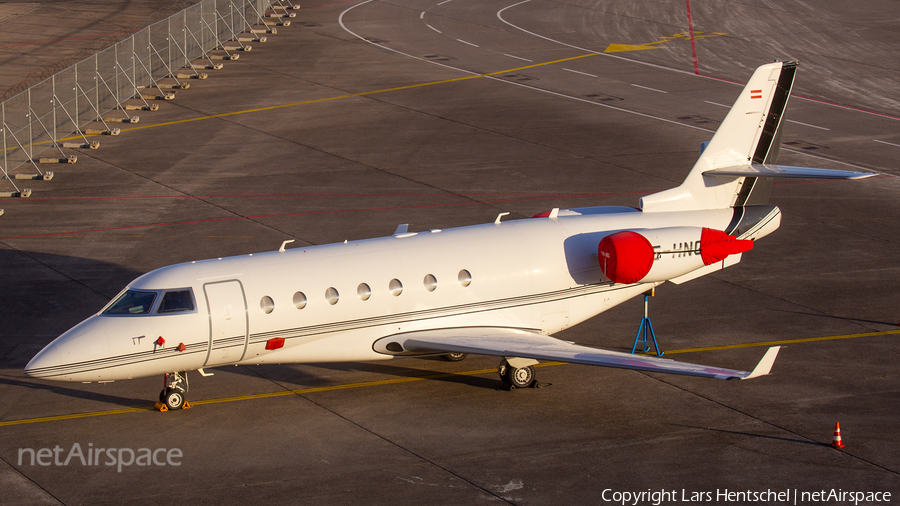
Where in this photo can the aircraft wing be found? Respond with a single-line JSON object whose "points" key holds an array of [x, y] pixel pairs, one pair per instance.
{"points": [[507, 342]]}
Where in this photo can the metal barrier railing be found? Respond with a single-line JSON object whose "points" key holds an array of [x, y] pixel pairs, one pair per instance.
{"points": [[64, 110]]}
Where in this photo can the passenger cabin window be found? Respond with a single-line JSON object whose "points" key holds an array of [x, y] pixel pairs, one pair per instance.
{"points": [[176, 301], [267, 304], [132, 302], [299, 300], [395, 287]]}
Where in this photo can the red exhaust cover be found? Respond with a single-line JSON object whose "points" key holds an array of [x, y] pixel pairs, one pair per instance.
{"points": [[715, 245], [625, 257]]}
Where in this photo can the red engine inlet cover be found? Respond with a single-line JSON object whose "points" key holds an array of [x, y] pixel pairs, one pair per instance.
{"points": [[625, 257]]}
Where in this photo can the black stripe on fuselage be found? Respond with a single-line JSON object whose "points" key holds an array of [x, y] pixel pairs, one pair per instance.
{"points": [[499, 304]]}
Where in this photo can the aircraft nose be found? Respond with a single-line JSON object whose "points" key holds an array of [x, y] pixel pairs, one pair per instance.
{"points": [[46, 360], [73, 356]]}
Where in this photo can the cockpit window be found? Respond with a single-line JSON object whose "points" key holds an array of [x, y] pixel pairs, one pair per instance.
{"points": [[180, 300], [132, 302]]}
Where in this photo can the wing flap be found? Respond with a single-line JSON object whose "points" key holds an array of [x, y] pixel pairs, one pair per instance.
{"points": [[507, 342]]}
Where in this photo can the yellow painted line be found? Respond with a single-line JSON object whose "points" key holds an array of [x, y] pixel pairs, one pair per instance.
{"points": [[327, 99], [618, 48], [395, 381], [784, 342], [75, 415], [261, 396]]}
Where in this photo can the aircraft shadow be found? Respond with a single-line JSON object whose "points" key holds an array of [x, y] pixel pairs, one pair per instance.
{"points": [[79, 394], [776, 438], [48, 294], [292, 375]]}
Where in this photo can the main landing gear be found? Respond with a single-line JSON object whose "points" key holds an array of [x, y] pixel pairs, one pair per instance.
{"points": [[172, 395], [517, 373], [514, 372]]}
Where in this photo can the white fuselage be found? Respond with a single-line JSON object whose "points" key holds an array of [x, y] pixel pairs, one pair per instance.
{"points": [[539, 274]]}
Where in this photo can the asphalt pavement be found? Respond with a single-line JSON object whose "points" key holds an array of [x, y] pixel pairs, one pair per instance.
{"points": [[364, 115]]}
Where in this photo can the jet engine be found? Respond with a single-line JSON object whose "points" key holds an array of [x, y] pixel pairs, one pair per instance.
{"points": [[660, 254]]}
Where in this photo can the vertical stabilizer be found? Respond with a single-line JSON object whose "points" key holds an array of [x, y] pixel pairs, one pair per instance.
{"points": [[750, 134]]}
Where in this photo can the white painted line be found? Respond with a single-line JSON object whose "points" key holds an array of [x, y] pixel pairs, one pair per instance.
{"points": [[646, 88], [807, 125], [517, 57], [886, 142], [422, 16], [386, 48], [469, 43], [445, 1], [720, 105], [582, 73], [561, 95], [662, 67], [433, 28]]}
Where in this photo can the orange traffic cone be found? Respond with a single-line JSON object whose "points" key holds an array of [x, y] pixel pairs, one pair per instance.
{"points": [[836, 440]]}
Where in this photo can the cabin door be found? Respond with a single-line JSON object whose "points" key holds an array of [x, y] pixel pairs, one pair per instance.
{"points": [[227, 322]]}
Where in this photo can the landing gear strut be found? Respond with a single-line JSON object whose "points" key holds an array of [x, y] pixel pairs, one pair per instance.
{"points": [[172, 395], [517, 372]]}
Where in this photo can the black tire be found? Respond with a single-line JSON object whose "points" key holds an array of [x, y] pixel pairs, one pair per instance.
{"points": [[162, 395], [454, 357], [522, 377], [174, 400]]}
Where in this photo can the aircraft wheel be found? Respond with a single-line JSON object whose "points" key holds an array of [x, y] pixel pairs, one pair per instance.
{"points": [[162, 395], [522, 377], [174, 399], [454, 357]]}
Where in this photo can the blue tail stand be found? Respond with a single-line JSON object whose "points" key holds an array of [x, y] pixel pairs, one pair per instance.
{"points": [[645, 328]]}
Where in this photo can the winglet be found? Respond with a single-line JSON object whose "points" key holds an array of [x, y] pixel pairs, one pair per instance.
{"points": [[765, 365]]}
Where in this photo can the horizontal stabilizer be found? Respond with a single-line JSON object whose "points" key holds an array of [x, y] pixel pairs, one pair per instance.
{"points": [[769, 170], [507, 342]]}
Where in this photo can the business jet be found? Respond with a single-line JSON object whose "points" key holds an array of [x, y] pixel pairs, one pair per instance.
{"points": [[501, 288]]}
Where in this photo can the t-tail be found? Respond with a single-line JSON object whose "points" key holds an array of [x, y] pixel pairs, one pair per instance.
{"points": [[736, 167]]}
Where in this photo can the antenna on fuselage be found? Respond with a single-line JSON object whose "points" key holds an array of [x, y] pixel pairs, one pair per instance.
{"points": [[285, 243]]}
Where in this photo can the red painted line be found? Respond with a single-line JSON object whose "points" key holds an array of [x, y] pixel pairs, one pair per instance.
{"points": [[801, 97], [879, 176], [849, 107], [723, 80], [374, 209], [325, 4], [307, 195], [69, 38], [693, 43]]}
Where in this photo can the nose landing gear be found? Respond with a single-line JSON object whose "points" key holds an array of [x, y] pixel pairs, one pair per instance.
{"points": [[172, 395]]}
